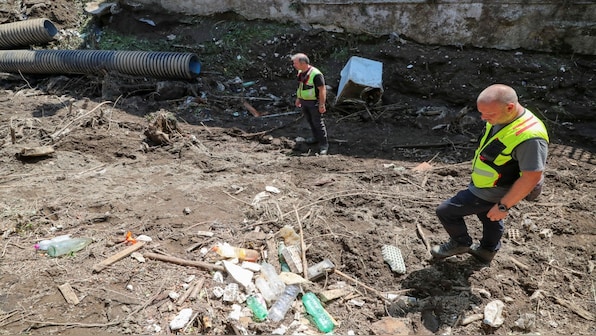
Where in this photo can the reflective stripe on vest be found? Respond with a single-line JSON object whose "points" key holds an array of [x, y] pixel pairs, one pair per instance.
{"points": [[306, 90], [493, 164]]}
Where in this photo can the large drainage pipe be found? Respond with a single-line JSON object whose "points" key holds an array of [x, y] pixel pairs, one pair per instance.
{"points": [[140, 63], [25, 33]]}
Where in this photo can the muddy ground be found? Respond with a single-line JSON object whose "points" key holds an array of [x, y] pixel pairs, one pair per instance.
{"points": [[390, 164]]}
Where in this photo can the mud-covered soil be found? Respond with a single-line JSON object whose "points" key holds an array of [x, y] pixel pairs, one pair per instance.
{"points": [[390, 165]]}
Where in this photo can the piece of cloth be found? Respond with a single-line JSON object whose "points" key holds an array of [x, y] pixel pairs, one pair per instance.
{"points": [[310, 109], [451, 213]]}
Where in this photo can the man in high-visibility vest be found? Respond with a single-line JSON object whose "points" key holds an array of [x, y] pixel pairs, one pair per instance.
{"points": [[508, 166], [311, 97]]}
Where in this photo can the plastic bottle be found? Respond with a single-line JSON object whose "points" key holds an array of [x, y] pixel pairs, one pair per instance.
{"points": [[282, 261], [62, 247], [275, 283], [242, 254], [283, 304], [317, 312], [43, 245], [265, 289], [259, 311]]}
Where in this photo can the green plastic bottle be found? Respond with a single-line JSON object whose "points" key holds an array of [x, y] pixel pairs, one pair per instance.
{"points": [[319, 316], [67, 246], [282, 261], [259, 311]]}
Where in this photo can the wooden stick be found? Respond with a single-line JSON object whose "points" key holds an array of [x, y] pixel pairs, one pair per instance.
{"points": [[183, 262], [519, 264], [361, 284], [423, 237], [195, 291], [189, 290], [107, 262], [302, 246]]}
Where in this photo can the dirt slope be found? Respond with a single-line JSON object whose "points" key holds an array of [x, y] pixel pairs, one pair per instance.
{"points": [[107, 178]]}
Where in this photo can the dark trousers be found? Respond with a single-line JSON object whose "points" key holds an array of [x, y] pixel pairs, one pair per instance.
{"points": [[451, 213], [310, 109]]}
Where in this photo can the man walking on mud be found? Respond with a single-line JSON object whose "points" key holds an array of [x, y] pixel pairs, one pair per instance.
{"points": [[507, 167], [311, 98]]}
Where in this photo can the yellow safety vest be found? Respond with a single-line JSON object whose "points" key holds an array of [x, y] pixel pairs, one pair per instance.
{"points": [[306, 89], [493, 164]]}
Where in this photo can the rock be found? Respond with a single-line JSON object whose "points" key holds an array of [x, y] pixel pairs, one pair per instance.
{"points": [[392, 326]]}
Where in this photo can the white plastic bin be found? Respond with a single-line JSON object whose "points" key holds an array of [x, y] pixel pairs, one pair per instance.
{"points": [[362, 79]]}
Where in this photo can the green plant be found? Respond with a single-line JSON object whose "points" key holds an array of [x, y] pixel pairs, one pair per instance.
{"points": [[111, 40]]}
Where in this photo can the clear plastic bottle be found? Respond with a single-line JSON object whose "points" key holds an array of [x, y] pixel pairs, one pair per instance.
{"points": [[43, 245], [265, 289], [62, 247], [283, 303], [259, 311], [243, 254], [276, 284], [317, 312]]}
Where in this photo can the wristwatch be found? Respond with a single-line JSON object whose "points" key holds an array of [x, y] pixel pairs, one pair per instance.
{"points": [[502, 207]]}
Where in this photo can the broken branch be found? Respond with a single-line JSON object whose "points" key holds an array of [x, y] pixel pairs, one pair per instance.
{"points": [[183, 262]]}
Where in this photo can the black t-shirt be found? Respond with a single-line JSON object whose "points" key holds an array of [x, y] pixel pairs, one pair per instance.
{"points": [[318, 80]]}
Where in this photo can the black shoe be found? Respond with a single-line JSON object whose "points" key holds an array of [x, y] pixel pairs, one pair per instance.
{"points": [[448, 249], [482, 254]]}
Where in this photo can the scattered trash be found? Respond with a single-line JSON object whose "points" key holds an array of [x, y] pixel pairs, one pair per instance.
{"points": [[230, 293], [69, 294], [129, 238], [144, 238], [320, 269], [258, 308], [283, 303], [526, 322], [259, 197], [67, 246], [293, 257], [36, 151], [392, 255], [275, 283], [493, 313], [290, 278], [272, 189], [472, 318], [239, 274], [545, 233], [148, 21], [181, 319], [44, 244], [138, 257], [317, 312], [227, 251], [361, 78], [289, 235]]}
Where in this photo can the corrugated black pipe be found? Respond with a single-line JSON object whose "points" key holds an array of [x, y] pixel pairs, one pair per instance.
{"points": [[25, 33], [159, 64]]}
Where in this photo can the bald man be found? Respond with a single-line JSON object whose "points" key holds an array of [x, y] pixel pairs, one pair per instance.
{"points": [[311, 98], [508, 166]]}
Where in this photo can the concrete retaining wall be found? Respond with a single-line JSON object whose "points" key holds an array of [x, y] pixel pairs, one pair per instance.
{"points": [[549, 25]]}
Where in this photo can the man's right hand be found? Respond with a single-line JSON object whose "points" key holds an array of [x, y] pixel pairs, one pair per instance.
{"points": [[297, 103]]}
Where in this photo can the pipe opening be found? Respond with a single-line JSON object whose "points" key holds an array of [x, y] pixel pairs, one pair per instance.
{"points": [[50, 28]]}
